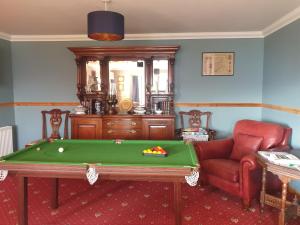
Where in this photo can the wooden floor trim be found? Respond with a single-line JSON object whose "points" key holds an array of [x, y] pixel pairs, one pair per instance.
{"points": [[179, 104]]}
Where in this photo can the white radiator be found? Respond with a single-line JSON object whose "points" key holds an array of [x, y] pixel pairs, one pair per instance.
{"points": [[6, 140]]}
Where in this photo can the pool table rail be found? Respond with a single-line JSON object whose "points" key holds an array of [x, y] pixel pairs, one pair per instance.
{"points": [[73, 171]]}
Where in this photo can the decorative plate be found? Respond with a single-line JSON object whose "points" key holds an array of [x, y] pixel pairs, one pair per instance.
{"points": [[125, 105]]}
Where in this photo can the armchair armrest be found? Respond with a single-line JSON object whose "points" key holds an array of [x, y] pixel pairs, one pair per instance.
{"points": [[250, 177], [213, 149], [249, 162]]}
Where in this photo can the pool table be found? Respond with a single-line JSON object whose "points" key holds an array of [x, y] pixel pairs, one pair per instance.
{"points": [[111, 159]]}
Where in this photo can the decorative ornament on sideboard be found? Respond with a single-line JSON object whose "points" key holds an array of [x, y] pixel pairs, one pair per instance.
{"points": [[112, 102], [105, 25]]}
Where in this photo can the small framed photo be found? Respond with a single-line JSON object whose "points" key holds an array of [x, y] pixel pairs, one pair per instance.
{"points": [[217, 63]]}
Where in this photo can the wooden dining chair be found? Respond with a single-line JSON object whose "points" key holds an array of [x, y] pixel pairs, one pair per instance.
{"points": [[195, 118], [55, 120]]}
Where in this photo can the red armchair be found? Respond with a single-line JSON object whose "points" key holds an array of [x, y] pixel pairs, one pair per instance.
{"points": [[229, 164]]}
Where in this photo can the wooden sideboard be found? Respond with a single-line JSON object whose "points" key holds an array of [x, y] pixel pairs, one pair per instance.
{"points": [[108, 76], [144, 127]]}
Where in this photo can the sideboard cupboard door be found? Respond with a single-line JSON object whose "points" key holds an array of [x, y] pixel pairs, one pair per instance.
{"points": [[86, 128], [158, 129]]}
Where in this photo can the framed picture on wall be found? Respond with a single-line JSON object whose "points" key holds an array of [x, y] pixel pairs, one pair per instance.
{"points": [[217, 63]]}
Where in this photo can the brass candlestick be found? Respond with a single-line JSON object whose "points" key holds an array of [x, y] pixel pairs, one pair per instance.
{"points": [[111, 102]]}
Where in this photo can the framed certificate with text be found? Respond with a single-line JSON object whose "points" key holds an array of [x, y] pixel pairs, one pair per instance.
{"points": [[217, 63]]}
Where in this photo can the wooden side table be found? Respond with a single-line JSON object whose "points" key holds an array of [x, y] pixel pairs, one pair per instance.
{"points": [[285, 174]]}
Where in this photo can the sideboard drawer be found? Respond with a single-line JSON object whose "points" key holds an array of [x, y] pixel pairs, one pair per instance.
{"points": [[122, 134], [122, 124]]}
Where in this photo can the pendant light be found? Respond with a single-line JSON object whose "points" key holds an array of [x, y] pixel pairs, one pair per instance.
{"points": [[105, 25]]}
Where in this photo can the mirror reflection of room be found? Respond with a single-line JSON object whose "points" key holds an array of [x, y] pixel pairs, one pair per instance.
{"points": [[93, 77], [160, 77], [127, 81]]}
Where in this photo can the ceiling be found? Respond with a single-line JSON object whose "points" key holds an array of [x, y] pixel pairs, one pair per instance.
{"points": [[69, 17]]}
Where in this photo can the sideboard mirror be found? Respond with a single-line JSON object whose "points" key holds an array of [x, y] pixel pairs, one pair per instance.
{"points": [[160, 79], [93, 76], [127, 80], [144, 75]]}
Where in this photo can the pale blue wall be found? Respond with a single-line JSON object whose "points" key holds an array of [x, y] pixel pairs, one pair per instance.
{"points": [[6, 84], [266, 70], [46, 71], [281, 83]]}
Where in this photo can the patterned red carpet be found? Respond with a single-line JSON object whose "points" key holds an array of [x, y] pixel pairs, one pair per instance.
{"points": [[134, 203]]}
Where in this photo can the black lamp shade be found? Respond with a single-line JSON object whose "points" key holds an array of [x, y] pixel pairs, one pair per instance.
{"points": [[105, 26]]}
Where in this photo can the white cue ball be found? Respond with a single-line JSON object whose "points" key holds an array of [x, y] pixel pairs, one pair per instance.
{"points": [[61, 149]]}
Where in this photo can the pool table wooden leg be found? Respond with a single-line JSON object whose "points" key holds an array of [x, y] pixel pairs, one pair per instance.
{"points": [[54, 193], [22, 200], [177, 202]]}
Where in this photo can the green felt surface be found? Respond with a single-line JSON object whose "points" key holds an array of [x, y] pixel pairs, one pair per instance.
{"points": [[106, 152]]}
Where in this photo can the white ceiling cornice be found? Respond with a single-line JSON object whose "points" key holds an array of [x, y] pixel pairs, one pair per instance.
{"points": [[194, 35], [282, 22], [5, 36], [153, 36], [75, 37]]}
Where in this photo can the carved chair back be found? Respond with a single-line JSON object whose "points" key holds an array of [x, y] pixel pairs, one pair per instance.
{"points": [[195, 118], [56, 117], [195, 121]]}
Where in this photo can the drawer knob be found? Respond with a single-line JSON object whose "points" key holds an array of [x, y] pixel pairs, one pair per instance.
{"points": [[133, 123], [110, 123], [132, 131], [109, 131]]}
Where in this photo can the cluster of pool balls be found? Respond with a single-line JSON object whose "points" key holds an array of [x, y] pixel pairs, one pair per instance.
{"points": [[155, 151]]}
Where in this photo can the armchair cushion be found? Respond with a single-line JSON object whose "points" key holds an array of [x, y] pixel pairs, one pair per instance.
{"points": [[223, 168], [245, 144]]}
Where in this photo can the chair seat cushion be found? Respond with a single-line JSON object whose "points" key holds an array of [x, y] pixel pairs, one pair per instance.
{"points": [[245, 144], [226, 169]]}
